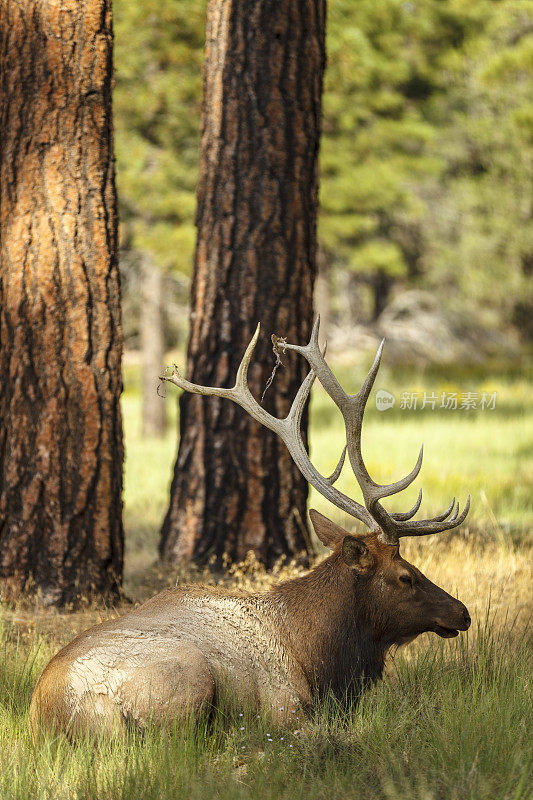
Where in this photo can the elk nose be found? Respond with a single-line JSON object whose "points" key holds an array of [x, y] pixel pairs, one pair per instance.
{"points": [[467, 619]]}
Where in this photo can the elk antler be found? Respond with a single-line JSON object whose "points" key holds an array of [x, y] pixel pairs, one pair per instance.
{"points": [[288, 429], [352, 408], [393, 526]]}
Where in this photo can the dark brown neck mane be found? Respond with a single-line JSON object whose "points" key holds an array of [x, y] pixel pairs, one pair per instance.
{"points": [[331, 628]]}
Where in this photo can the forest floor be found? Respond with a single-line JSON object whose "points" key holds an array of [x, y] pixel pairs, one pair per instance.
{"points": [[452, 720]]}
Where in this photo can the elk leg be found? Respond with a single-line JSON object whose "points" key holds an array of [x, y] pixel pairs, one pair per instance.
{"points": [[163, 691], [281, 707]]}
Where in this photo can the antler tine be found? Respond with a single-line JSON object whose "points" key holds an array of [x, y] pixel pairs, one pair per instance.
{"points": [[412, 511], [386, 490], [352, 408], [402, 517], [338, 469], [241, 380], [373, 491], [239, 393], [213, 391], [423, 527], [315, 357], [445, 514]]}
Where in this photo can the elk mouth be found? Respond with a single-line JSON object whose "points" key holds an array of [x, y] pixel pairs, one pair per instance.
{"points": [[444, 631]]}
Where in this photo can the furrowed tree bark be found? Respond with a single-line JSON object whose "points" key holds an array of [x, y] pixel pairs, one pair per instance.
{"points": [[235, 487], [60, 329]]}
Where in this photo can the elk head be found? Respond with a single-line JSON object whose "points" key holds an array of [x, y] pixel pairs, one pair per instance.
{"points": [[407, 602], [395, 598]]}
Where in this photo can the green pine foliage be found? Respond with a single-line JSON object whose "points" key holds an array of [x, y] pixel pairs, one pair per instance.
{"points": [[481, 220], [427, 150], [157, 104], [386, 63]]}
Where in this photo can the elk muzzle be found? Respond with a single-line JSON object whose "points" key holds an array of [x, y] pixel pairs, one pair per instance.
{"points": [[452, 620]]}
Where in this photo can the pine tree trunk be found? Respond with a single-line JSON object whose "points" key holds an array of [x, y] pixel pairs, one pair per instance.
{"points": [[60, 330], [381, 286], [153, 350], [235, 487], [323, 297]]}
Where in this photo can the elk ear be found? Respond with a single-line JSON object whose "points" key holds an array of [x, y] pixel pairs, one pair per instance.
{"points": [[326, 530], [356, 554]]}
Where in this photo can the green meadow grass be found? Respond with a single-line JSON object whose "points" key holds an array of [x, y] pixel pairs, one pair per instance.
{"points": [[454, 721], [450, 721]]}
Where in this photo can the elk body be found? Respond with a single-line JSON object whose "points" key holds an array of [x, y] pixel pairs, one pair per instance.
{"points": [[329, 630]]}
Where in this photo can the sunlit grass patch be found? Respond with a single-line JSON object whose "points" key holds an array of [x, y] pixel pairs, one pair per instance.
{"points": [[451, 719]]}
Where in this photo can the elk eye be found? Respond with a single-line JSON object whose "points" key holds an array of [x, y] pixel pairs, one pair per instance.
{"points": [[406, 579]]}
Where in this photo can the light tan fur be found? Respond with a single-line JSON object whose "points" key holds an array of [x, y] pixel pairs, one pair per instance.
{"points": [[169, 658]]}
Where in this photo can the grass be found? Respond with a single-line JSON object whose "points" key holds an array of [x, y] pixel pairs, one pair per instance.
{"points": [[450, 721]]}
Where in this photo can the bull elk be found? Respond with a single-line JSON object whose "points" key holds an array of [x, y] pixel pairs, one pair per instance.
{"points": [[329, 630]]}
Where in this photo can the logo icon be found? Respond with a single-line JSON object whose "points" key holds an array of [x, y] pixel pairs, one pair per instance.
{"points": [[384, 400]]}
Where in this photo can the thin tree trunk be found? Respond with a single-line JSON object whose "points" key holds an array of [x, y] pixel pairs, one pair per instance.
{"points": [[60, 329], [235, 487], [153, 350], [323, 297], [381, 286]]}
